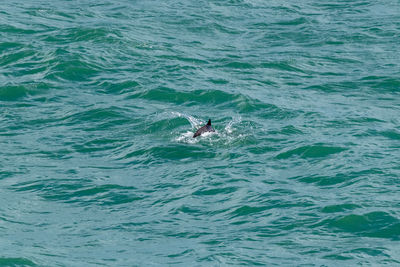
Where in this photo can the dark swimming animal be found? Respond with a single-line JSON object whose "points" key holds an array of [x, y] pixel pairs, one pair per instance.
{"points": [[206, 128]]}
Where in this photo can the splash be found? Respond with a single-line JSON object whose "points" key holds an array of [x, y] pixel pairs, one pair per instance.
{"points": [[229, 127], [193, 121], [228, 134], [186, 137]]}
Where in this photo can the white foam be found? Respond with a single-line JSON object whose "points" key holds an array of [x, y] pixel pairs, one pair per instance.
{"points": [[186, 137], [193, 121]]}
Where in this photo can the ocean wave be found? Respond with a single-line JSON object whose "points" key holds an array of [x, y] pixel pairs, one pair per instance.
{"points": [[372, 224], [311, 151], [74, 191]]}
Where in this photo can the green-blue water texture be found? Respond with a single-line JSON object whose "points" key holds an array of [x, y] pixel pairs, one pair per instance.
{"points": [[99, 101]]}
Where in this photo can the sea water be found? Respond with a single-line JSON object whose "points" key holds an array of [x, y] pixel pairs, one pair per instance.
{"points": [[99, 101]]}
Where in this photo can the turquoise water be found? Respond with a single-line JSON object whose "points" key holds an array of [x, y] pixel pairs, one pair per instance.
{"points": [[99, 100]]}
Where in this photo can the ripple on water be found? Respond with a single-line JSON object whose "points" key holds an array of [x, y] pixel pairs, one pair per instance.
{"points": [[13, 92], [116, 87], [12, 58], [373, 224], [311, 151], [215, 191], [339, 208], [82, 34], [341, 178], [98, 118], [241, 102], [74, 70], [82, 194], [382, 84], [17, 92], [16, 262]]}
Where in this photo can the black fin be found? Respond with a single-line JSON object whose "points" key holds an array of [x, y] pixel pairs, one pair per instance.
{"points": [[209, 122]]}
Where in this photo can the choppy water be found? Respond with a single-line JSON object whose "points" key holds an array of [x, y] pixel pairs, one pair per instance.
{"points": [[99, 100]]}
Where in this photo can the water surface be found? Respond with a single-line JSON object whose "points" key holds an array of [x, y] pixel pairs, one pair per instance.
{"points": [[99, 102]]}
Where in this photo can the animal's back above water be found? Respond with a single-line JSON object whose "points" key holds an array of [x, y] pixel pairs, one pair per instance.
{"points": [[204, 129]]}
